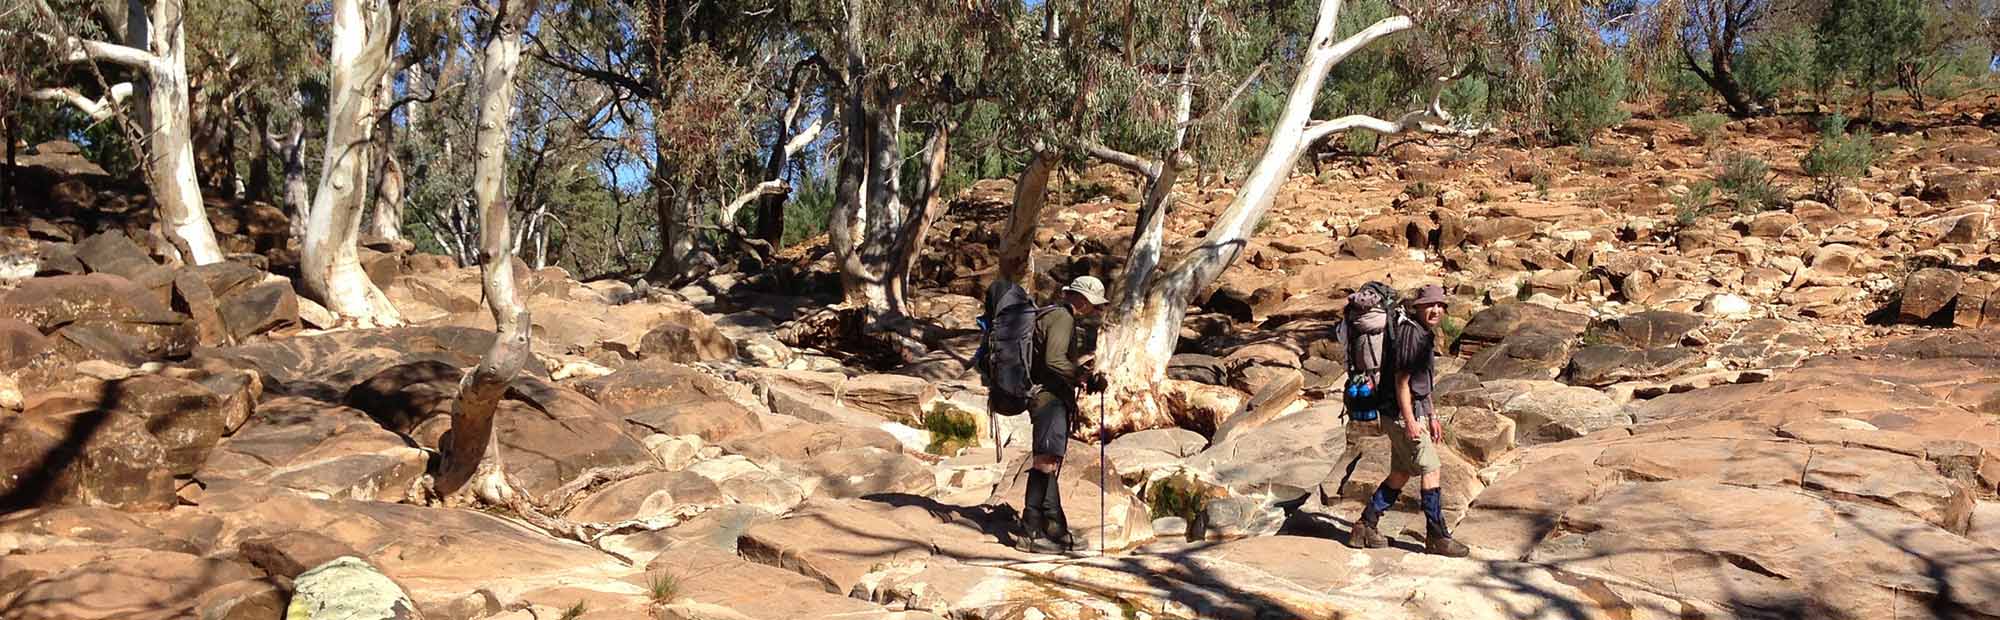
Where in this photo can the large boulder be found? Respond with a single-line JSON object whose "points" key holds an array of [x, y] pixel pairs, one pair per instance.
{"points": [[1605, 364], [1287, 456], [1556, 412], [136, 584], [81, 450], [648, 496], [320, 449], [1536, 355], [1134, 455], [686, 343], [1500, 322], [1926, 293], [895, 397], [1653, 329], [348, 588]]}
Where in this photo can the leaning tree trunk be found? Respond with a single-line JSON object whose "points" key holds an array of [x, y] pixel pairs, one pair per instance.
{"points": [[910, 244], [1134, 351], [331, 263], [1030, 192], [386, 221], [472, 450], [170, 165]]}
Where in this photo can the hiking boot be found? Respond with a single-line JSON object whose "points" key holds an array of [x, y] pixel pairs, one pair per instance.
{"points": [[1364, 536], [1445, 546]]}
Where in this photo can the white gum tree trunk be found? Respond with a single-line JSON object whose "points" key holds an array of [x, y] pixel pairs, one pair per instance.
{"points": [[386, 219], [472, 450], [330, 263], [156, 47], [1136, 343]]}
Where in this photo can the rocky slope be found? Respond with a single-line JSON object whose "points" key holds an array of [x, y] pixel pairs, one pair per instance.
{"points": [[1788, 413]]}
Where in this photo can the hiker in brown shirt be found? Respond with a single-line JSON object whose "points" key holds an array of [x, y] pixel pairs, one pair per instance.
{"points": [[1413, 430]]}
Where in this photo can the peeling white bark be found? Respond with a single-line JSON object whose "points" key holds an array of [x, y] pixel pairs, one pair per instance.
{"points": [[102, 108], [1135, 347], [331, 264], [473, 452]]}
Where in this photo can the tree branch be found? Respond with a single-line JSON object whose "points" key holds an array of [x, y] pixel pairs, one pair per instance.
{"points": [[100, 109], [1145, 167], [73, 49]]}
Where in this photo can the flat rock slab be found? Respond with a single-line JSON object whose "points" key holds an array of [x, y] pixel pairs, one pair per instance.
{"points": [[323, 450], [124, 583]]}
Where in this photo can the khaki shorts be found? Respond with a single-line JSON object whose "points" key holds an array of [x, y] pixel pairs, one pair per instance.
{"points": [[1414, 457]]}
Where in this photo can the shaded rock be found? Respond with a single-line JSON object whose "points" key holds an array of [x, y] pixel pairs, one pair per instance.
{"points": [[317, 448], [123, 583], [113, 253], [259, 309], [1524, 355], [1602, 365], [348, 588], [1498, 322], [1653, 329], [1958, 187], [1926, 293], [1197, 368], [19, 343], [291, 553], [71, 450], [684, 343]]}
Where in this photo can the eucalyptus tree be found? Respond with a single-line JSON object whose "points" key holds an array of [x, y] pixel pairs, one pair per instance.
{"points": [[1134, 350], [148, 41], [363, 35]]}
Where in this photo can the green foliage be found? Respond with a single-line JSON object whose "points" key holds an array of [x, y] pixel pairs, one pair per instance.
{"points": [[1452, 327], [808, 211], [1420, 190], [1778, 62], [1176, 496], [950, 431], [1694, 204], [1684, 91], [1837, 157], [1585, 89], [575, 611], [1707, 126], [1747, 181], [664, 586]]}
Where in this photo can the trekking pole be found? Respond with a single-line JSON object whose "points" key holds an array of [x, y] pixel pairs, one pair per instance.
{"points": [[1103, 409]]}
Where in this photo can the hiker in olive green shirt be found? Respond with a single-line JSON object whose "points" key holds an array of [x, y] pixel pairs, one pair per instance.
{"points": [[1057, 376]]}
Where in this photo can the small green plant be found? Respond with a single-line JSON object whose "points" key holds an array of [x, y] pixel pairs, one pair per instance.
{"points": [[1694, 204], [950, 431], [575, 611], [1747, 180], [1361, 142], [1707, 127], [1176, 496], [1838, 157], [1420, 189], [665, 586], [1452, 328], [1542, 179], [1484, 196]]}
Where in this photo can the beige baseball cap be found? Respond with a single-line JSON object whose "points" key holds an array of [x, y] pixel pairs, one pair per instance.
{"points": [[1089, 287]]}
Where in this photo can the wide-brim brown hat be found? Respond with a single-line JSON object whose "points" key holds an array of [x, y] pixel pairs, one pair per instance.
{"points": [[1429, 294]]}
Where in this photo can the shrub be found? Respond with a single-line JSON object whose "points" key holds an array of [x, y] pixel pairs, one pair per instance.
{"points": [[950, 430], [1838, 157], [1747, 180], [1684, 92], [1176, 496], [1693, 204], [664, 586], [1707, 126], [1585, 90]]}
